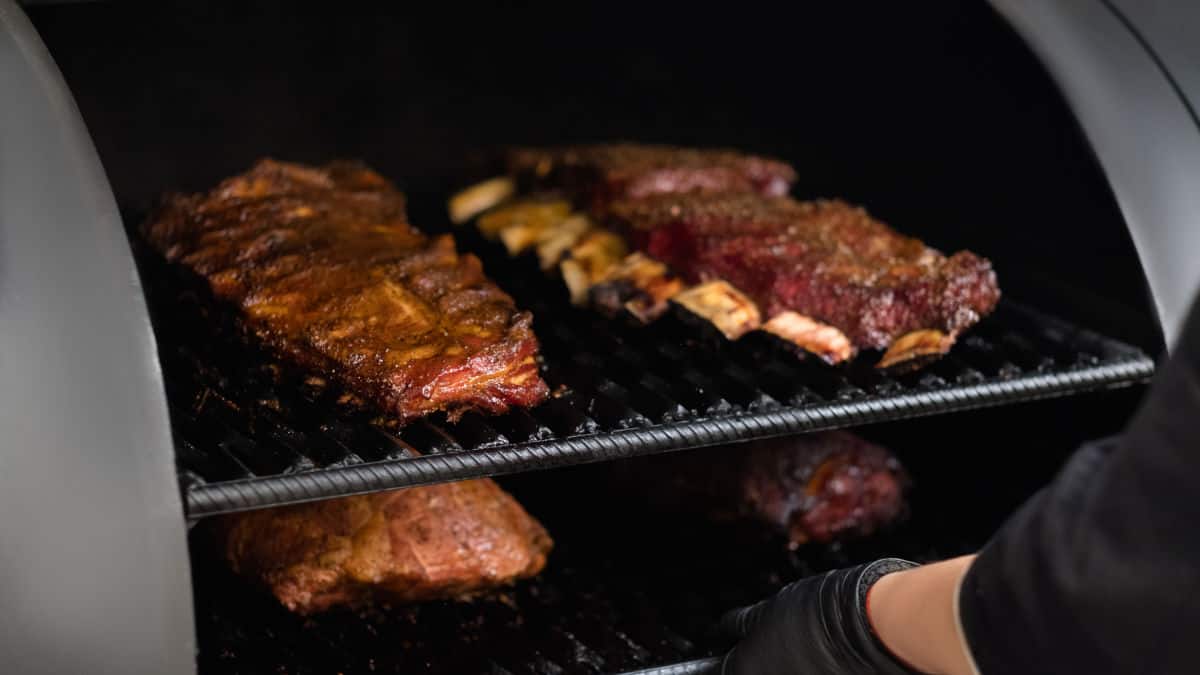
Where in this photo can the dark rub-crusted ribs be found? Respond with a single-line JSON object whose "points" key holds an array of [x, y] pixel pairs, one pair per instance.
{"points": [[598, 174], [823, 275], [324, 268], [827, 260]]}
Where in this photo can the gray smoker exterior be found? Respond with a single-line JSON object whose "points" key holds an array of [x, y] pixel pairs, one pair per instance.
{"points": [[1130, 70], [94, 572]]}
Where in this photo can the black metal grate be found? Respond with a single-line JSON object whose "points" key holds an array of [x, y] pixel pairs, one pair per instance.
{"points": [[250, 433], [625, 591], [566, 621], [635, 583], [708, 666]]}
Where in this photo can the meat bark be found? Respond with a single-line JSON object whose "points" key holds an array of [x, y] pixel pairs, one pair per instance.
{"points": [[819, 488], [323, 267], [598, 174], [826, 260], [439, 541]]}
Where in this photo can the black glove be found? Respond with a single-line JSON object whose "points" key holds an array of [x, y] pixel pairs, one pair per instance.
{"points": [[815, 626]]}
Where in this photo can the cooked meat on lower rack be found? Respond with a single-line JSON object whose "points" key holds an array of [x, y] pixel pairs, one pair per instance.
{"points": [[598, 174], [634, 228], [820, 487], [440, 541], [323, 267], [825, 260]]}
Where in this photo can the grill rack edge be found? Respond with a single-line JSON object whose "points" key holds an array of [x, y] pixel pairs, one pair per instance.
{"points": [[695, 667], [209, 499]]}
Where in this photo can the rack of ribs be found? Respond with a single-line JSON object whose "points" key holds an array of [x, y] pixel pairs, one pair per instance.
{"points": [[818, 488], [450, 540], [712, 231], [322, 266], [594, 175], [826, 261]]}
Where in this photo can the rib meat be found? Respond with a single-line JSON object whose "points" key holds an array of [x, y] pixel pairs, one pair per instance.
{"points": [[598, 174], [818, 487], [825, 259], [438, 541], [325, 269]]}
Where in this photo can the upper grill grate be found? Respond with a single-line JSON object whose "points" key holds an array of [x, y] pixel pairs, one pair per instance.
{"points": [[251, 433]]}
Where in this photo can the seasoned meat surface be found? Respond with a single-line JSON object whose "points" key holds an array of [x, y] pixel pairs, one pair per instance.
{"points": [[824, 259], [819, 487], [325, 269], [438, 541], [597, 174]]}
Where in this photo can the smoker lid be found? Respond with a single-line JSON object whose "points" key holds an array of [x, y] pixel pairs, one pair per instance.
{"points": [[94, 570], [1131, 73]]}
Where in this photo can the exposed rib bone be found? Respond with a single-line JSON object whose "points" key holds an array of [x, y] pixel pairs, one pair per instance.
{"points": [[912, 350], [812, 336], [638, 283], [468, 203], [576, 278], [598, 251], [555, 241], [724, 306], [527, 213]]}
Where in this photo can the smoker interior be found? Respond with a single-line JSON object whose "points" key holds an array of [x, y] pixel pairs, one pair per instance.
{"points": [[251, 432], [629, 587], [934, 115]]}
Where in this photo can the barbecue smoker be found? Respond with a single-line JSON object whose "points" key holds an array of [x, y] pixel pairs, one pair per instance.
{"points": [[1058, 139]]}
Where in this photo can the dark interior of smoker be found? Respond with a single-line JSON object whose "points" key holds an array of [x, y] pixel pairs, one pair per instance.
{"points": [[630, 587], [933, 114]]}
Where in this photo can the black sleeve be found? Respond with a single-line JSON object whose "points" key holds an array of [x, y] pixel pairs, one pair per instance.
{"points": [[1099, 572]]}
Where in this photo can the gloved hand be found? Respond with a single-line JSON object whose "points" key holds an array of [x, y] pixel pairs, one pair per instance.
{"points": [[814, 626]]}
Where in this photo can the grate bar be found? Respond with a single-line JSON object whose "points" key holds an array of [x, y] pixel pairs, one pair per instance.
{"points": [[710, 666], [238, 495]]}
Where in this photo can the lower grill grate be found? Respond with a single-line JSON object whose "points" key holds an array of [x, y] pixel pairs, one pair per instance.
{"points": [[563, 622], [620, 594], [250, 433], [635, 583]]}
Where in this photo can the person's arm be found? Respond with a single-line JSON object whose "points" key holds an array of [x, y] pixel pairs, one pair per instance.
{"points": [[1100, 571], [820, 625], [913, 614], [1097, 573]]}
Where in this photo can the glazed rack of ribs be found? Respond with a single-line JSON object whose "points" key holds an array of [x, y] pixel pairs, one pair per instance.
{"points": [[714, 232], [321, 266]]}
